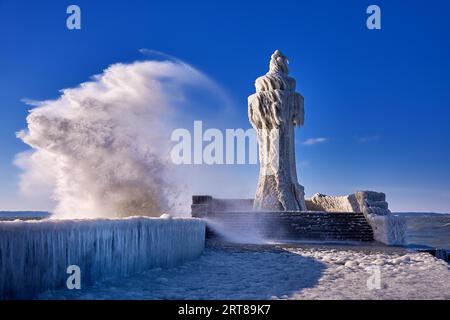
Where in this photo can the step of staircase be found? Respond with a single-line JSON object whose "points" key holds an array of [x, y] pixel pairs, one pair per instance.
{"points": [[291, 226]]}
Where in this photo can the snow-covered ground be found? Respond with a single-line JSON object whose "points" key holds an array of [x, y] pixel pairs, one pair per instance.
{"points": [[284, 272]]}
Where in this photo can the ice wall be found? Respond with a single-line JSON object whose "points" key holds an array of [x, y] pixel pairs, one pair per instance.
{"points": [[388, 229], [34, 255]]}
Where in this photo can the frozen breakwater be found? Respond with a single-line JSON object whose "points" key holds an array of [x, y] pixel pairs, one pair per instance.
{"points": [[34, 255], [284, 271]]}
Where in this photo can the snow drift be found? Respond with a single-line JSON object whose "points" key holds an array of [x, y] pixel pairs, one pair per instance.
{"points": [[34, 255]]}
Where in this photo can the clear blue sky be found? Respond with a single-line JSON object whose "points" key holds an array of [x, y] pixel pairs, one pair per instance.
{"points": [[381, 98]]}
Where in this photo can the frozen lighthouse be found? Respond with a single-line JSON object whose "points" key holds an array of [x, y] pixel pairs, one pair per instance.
{"points": [[274, 111], [279, 210]]}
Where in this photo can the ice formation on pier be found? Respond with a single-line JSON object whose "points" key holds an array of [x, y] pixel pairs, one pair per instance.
{"points": [[387, 228], [274, 111], [34, 255]]}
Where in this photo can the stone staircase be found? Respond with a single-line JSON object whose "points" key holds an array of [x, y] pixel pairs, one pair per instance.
{"points": [[291, 226]]}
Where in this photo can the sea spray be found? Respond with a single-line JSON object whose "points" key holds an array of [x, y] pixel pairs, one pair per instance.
{"points": [[250, 234], [101, 149]]}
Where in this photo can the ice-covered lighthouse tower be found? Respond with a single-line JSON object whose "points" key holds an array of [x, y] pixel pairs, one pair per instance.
{"points": [[274, 111]]}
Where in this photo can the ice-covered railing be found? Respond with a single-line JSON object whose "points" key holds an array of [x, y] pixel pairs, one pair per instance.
{"points": [[34, 255]]}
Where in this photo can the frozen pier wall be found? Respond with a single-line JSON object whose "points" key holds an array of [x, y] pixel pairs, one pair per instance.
{"points": [[34, 255]]}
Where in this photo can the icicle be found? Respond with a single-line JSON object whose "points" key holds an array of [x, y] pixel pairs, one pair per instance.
{"points": [[34, 255]]}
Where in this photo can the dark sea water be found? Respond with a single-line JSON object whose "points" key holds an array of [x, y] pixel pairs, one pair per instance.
{"points": [[23, 215], [423, 229], [427, 229]]}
